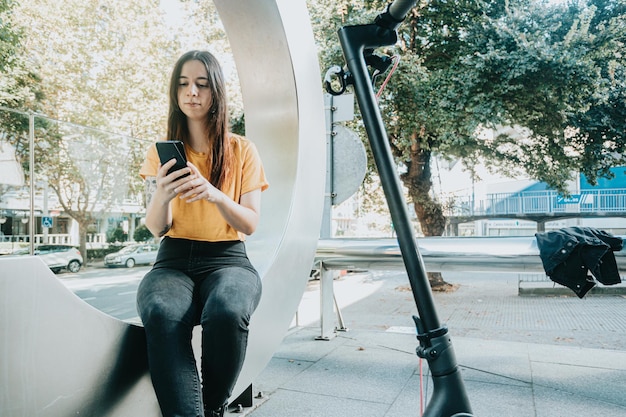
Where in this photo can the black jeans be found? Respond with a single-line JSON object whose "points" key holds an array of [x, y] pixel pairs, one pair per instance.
{"points": [[208, 283]]}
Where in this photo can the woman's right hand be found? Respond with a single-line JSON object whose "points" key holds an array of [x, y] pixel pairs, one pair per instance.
{"points": [[158, 211], [166, 184]]}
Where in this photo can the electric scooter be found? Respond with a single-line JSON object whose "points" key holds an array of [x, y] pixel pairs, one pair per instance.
{"points": [[358, 43]]}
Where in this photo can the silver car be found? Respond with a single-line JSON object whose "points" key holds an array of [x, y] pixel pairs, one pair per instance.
{"points": [[57, 257], [132, 255]]}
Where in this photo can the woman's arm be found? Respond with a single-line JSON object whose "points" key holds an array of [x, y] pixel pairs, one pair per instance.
{"points": [[243, 216], [160, 190]]}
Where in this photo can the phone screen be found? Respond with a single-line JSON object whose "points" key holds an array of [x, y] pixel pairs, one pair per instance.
{"points": [[169, 149]]}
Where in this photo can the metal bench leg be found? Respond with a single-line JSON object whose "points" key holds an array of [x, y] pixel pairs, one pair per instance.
{"points": [[327, 297], [341, 327]]}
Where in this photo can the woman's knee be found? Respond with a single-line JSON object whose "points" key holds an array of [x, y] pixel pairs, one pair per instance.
{"points": [[159, 302], [226, 316], [155, 309]]}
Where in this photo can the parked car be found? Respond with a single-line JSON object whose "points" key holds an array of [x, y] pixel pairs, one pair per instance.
{"points": [[57, 257], [132, 255]]}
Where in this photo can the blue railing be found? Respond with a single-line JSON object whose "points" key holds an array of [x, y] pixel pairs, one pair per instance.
{"points": [[601, 202]]}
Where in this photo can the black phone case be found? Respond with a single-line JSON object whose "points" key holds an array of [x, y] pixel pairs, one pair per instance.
{"points": [[172, 149]]}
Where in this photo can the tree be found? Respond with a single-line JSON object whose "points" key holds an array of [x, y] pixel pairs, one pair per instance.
{"points": [[104, 65], [600, 130], [20, 85], [545, 68], [548, 78], [89, 170], [142, 234], [116, 235]]}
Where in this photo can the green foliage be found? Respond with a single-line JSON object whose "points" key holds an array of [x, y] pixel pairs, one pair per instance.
{"points": [[93, 254], [541, 69], [19, 84], [238, 125], [102, 65], [116, 235], [105, 65], [142, 234], [600, 130], [521, 85]]}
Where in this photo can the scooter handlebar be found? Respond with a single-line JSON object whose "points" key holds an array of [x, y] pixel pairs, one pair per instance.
{"points": [[398, 9]]}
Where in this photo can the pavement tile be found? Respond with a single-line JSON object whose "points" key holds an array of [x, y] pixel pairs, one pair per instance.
{"points": [[304, 404], [540, 356]]}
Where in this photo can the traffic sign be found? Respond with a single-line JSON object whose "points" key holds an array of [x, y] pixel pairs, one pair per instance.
{"points": [[46, 221], [572, 199]]}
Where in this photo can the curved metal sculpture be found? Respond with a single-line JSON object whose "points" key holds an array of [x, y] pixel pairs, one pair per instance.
{"points": [[276, 57], [60, 357]]}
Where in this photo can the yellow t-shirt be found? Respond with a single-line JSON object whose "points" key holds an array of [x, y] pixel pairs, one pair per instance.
{"points": [[201, 220]]}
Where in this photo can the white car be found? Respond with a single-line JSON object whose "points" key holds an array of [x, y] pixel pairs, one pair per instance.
{"points": [[57, 257], [132, 255]]}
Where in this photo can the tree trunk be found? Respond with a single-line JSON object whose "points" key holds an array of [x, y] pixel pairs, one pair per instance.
{"points": [[82, 232], [429, 211]]}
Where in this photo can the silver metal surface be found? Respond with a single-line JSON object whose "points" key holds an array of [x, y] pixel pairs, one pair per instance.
{"points": [[349, 163], [276, 59], [440, 254], [60, 357]]}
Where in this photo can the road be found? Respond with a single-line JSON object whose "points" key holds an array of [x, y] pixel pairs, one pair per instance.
{"points": [[485, 306], [110, 290]]}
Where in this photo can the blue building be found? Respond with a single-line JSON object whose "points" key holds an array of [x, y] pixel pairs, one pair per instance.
{"points": [[536, 207]]}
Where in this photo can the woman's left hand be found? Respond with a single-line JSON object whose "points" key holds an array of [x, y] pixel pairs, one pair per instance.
{"points": [[198, 188]]}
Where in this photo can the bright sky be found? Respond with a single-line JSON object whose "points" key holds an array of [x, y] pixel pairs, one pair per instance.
{"points": [[173, 9]]}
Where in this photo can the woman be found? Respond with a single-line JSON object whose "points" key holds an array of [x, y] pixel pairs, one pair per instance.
{"points": [[202, 274]]}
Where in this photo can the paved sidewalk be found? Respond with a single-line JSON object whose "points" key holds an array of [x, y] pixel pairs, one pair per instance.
{"points": [[546, 356]]}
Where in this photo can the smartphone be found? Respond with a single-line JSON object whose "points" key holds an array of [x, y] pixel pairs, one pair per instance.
{"points": [[169, 149]]}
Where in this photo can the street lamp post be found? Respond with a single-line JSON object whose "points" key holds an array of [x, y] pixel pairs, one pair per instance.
{"points": [[31, 169], [45, 212]]}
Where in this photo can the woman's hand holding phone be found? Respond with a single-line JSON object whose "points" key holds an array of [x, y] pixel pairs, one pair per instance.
{"points": [[172, 149], [173, 168], [198, 188], [178, 177], [167, 183]]}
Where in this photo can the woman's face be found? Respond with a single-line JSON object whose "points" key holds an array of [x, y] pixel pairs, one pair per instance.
{"points": [[194, 94]]}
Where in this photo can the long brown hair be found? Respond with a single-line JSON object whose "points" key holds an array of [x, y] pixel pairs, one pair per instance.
{"points": [[220, 157]]}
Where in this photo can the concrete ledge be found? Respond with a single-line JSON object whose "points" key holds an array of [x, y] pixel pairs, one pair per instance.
{"points": [[564, 291]]}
